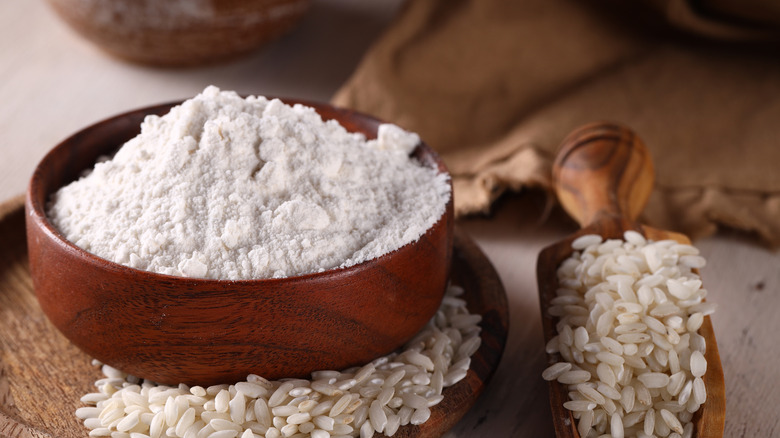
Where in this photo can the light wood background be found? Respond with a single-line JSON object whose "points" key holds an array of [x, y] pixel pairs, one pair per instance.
{"points": [[52, 83]]}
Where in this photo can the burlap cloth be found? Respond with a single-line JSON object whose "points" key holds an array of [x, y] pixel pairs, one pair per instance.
{"points": [[495, 85]]}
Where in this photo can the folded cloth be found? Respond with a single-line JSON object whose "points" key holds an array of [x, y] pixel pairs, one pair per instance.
{"points": [[725, 19], [494, 86]]}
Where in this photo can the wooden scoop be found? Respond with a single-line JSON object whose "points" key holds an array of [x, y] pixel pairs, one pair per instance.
{"points": [[603, 176]]}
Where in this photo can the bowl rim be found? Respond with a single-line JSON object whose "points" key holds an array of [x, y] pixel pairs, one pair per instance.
{"points": [[36, 208]]}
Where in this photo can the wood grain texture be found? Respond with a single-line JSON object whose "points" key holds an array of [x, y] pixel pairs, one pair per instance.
{"points": [[603, 177], [603, 171], [178, 329], [43, 375]]}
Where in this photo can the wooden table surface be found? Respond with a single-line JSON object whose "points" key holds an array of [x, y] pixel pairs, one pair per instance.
{"points": [[52, 83]]}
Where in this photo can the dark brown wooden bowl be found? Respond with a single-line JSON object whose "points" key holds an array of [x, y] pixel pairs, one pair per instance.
{"points": [[173, 329], [166, 33]]}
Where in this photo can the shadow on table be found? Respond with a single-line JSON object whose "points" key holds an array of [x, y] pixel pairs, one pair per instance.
{"points": [[516, 401]]}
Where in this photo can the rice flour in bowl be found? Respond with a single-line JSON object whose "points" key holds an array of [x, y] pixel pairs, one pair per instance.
{"points": [[204, 316]]}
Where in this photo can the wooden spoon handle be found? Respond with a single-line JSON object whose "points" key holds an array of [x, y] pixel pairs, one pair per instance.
{"points": [[603, 172]]}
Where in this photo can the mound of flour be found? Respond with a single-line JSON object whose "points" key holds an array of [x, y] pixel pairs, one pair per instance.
{"points": [[230, 188]]}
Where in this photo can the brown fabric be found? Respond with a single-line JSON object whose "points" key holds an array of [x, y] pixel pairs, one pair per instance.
{"points": [[495, 85], [727, 19]]}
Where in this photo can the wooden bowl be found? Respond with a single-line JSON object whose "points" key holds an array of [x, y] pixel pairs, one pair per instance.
{"points": [[199, 331], [180, 33]]}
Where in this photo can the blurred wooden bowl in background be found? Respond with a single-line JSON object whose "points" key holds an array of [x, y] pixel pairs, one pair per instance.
{"points": [[178, 33]]}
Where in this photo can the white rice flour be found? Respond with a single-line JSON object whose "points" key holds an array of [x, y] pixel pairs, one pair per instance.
{"points": [[231, 188]]}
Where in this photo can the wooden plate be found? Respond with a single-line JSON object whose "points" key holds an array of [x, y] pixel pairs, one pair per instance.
{"points": [[43, 376]]}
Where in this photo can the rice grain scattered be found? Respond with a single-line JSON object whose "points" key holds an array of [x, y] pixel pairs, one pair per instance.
{"points": [[379, 397]]}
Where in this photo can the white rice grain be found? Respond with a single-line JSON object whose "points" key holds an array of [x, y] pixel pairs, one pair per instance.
{"points": [[454, 377], [590, 393], [611, 345], [671, 420], [699, 391], [221, 401], [574, 377], [610, 358], [343, 430], [131, 420], [281, 393], [608, 391], [324, 422], [585, 423], [393, 423], [87, 412], [654, 380], [604, 373], [585, 241], [627, 315], [366, 431], [649, 425], [414, 401], [224, 434], [616, 425], [676, 382], [633, 418], [299, 418], [698, 364], [237, 407], [555, 370], [627, 398], [377, 416], [579, 405], [394, 378], [222, 424], [420, 416]]}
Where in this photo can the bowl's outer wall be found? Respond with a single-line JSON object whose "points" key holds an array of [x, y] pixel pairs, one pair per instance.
{"points": [[221, 29], [172, 329]]}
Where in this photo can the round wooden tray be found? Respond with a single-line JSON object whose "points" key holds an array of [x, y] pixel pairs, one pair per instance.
{"points": [[43, 376]]}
